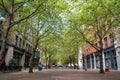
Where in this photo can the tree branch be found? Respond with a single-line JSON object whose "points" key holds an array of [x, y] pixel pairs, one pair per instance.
{"points": [[21, 5], [87, 41], [30, 15], [112, 13], [3, 5], [108, 28]]}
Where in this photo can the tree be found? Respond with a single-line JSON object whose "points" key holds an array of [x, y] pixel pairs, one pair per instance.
{"points": [[93, 22], [13, 10], [45, 25], [19, 11], [50, 48], [48, 55], [70, 41]]}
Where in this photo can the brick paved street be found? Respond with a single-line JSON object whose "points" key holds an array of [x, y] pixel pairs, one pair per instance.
{"points": [[61, 74]]}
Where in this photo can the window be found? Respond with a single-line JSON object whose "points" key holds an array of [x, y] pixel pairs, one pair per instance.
{"points": [[106, 42], [0, 35], [31, 49], [111, 39], [20, 43], [27, 46], [16, 40], [23, 43]]}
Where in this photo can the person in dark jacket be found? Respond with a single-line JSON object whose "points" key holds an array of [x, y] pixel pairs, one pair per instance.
{"points": [[2, 65]]}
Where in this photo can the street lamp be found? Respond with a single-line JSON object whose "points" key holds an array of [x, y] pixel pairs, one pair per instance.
{"points": [[36, 54], [2, 19]]}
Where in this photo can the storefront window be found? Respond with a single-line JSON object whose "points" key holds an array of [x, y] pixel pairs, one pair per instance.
{"points": [[16, 40]]}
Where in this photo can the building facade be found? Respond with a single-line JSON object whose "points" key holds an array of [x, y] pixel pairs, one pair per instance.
{"points": [[20, 50], [117, 47], [17, 47], [110, 55]]}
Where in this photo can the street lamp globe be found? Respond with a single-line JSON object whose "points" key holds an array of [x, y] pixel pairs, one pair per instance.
{"points": [[2, 19]]}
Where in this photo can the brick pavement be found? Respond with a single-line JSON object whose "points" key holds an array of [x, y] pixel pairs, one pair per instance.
{"points": [[61, 74]]}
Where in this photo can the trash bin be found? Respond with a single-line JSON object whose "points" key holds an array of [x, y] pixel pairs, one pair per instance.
{"points": [[40, 68]]}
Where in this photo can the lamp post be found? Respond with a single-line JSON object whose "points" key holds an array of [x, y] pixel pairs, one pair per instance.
{"points": [[2, 19], [36, 56], [36, 53]]}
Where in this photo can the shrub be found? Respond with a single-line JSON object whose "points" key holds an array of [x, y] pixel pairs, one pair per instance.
{"points": [[12, 62]]}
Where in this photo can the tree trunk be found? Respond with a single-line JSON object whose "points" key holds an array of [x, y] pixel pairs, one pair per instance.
{"points": [[3, 46], [101, 62], [46, 59], [31, 63], [46, 63], [85, 63], [49, 61], [5, 35], [100, 57], [2, 51]]}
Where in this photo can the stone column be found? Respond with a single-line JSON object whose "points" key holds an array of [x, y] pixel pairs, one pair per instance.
{"points": [[9, 55], [103, 56], [23, 60], [23, 56], [90, 61], [80, 62], [118, 58], [94, 61]]}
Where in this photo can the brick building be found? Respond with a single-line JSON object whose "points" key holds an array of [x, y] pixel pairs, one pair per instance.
{"points": [[111, 53]]}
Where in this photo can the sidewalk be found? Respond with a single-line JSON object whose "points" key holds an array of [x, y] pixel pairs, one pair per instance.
{"points": [[61, 74], [36, 70], [18, 72]]}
